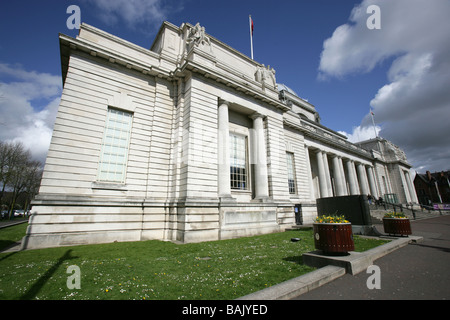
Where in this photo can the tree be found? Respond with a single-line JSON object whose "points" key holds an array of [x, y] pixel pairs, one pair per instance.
{"points": [[10, 153], [18, 173], [32, 182]]}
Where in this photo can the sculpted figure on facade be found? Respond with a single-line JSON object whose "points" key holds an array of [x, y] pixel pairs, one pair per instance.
{"points": [[266, 76], [197, 36], [396, 152]]}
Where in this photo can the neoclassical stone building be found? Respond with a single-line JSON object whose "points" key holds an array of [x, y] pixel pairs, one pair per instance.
{"points": [[190, 141]]}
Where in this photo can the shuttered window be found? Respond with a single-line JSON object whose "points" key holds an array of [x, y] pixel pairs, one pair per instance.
{"points": [[115, 145]]}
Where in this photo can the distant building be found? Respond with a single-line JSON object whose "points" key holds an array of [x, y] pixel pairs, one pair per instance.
{"points": [[433, 188], [191, 141]]}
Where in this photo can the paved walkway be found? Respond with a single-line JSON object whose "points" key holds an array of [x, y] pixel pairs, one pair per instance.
{"points": [[7, 223], [416, 271]]}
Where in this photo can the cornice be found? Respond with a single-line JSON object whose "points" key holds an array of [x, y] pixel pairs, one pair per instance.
{"points": [[299, 101], [241, 84], [328, 138], [68, 45], [221, 74], [118, 40]]}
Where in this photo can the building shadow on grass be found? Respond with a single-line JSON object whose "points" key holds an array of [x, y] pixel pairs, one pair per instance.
{"points": [[296, 259], [37, 286], [6, 244]]}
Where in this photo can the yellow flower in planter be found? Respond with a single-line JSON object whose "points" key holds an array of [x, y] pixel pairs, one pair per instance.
{"points": [[397, 215], [331, 219]]}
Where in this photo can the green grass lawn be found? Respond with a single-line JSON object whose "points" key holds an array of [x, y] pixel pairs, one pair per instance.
{"points": [[225, 269], [10, 235]]}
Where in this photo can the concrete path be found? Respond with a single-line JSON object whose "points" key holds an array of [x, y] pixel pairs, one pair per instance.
{"points": [[329, 269], [414, 267], [416, 271]]}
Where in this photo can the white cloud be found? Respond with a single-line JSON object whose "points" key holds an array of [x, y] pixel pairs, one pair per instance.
{"points": [[135, 13], [360, 133], [413, 108], [28, 105]]}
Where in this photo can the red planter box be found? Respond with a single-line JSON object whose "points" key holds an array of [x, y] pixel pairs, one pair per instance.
{"points": [[396, 226], [333, 237]]}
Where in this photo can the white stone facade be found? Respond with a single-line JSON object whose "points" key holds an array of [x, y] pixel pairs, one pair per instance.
{"points": [[189, 141]]}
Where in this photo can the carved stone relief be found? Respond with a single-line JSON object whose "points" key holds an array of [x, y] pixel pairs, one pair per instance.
{"points": [[197, 37], [266, 76]]}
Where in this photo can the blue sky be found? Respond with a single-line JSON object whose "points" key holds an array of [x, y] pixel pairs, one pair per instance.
{"points": [[322, 49]]}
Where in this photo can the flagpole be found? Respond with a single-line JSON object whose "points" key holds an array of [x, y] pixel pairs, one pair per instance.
{"points": [[373, 123], [251, 33]]}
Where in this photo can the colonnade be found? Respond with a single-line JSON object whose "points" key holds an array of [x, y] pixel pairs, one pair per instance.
{"points": [[337, 175], [360, 178]]}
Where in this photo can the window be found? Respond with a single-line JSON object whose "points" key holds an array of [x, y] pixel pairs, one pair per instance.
{"points": [[291, 172], [238, 162], [114, 152]]}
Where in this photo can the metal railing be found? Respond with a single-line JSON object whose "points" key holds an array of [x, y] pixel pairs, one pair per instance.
{"points": [[430, 208], [409, 207]]}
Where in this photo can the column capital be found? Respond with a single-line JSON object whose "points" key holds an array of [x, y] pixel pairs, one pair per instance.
{"points": [[222, 101], [256, 115]]}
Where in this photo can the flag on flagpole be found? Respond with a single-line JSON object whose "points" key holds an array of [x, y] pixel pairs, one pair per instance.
{"points": [[250, 20]]}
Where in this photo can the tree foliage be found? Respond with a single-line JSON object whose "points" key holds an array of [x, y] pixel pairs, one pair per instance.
{"points": [[19, 174]]}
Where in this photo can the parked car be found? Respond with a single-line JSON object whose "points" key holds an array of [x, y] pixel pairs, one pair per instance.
{"points": [[18, 213]]}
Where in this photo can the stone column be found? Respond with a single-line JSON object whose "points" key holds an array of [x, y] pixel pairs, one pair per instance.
{"points": [[355, 177], [223, 151], [410, 187], [372, 184], [338, 177], [344, 183], [363, 179], [260, 158], [327, 174], [310, 181], [322, 181], [352, 178]]}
